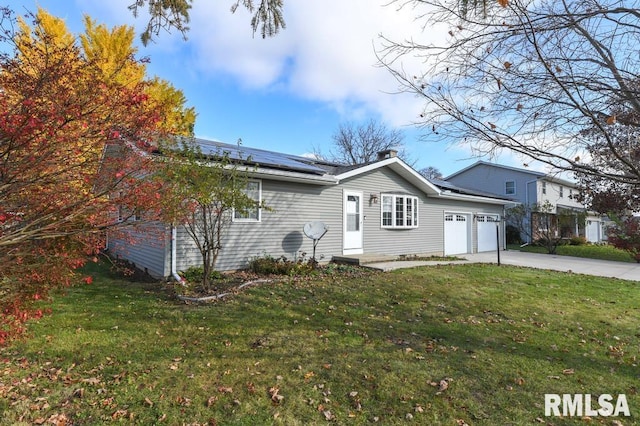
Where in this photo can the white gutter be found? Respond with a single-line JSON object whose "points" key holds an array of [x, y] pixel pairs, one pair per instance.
{"points": [[174, 255], [456, 196]]}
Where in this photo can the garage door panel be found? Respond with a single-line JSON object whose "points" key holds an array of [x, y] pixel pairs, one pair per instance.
{"points": [[456, 233], [487, 240]]}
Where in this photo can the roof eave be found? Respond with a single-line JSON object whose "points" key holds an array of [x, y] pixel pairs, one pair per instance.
{"points": [[475, 198], [289, 176], [401, 168]]}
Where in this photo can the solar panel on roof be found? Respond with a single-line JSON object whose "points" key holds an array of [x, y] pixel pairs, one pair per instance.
{"points": [[259, 156]]}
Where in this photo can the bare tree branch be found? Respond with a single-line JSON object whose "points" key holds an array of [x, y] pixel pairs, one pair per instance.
{"points": [[530, 78]]}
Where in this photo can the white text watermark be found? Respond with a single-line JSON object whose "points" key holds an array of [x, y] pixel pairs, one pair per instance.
{"points": [[579, 404]]}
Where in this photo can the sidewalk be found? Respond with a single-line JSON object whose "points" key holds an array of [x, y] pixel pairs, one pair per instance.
{"points": [[578, 265]]}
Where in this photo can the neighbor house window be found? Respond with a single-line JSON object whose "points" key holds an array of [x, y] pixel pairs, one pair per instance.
{"points": [[510, 187], [570, 193], [252, 214], [399, 211], [544, 187], [561, 191]]}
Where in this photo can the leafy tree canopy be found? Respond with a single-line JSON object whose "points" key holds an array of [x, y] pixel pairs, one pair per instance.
{"points": [[167, 14]]}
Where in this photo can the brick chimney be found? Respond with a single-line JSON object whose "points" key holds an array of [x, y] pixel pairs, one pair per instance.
{"points": [[387, 153]]}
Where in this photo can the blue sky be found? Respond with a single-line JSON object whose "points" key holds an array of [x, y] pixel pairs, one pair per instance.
{"points": [[289, 93]]}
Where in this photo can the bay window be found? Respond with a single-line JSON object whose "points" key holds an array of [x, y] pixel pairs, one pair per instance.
{"points": [[399, 211]]}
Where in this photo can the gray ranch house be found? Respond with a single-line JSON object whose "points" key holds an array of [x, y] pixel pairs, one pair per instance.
{"points": [[380, 208], [531, 187]]}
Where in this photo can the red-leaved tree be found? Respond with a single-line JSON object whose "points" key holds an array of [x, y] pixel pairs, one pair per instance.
{"points": [[58, 114]]}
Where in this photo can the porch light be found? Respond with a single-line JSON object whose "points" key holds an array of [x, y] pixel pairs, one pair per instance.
{"points": [[373, 198]]}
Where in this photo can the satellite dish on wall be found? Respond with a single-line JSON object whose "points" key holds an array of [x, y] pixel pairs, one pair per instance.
{"points": [[315, 230]]}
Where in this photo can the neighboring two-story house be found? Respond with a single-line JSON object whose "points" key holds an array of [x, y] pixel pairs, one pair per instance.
{"points": [[531, 188]]}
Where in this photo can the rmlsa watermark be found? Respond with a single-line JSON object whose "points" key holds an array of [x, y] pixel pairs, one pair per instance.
{"points": [[584, 404]]}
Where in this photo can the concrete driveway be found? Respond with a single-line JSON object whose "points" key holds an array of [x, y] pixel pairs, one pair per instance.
{"points": [[578, 265]]}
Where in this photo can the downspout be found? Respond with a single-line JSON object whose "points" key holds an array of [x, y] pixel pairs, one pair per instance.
{"points": [[527, 205], [174, 255]]}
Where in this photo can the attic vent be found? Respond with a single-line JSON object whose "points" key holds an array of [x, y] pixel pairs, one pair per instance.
{"points": [[387, 153]]}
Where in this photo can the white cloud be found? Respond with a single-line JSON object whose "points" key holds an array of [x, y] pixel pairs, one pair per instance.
{"points": [[326, 54]]}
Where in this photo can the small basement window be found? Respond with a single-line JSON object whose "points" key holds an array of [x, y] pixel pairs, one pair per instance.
{"points": [[399, 211]]}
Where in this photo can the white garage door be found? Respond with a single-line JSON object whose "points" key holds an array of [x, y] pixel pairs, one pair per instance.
{"points": [[456, 233], [487, 232]]}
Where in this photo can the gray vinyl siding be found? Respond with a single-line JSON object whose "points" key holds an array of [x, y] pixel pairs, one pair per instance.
{"points": [[487, 178], [290, 206], [378, 240], [293, 204], [147, 246], [428, 237], [279, 233]]}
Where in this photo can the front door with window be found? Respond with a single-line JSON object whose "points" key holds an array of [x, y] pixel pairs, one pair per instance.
{"points": [[353, 221]]}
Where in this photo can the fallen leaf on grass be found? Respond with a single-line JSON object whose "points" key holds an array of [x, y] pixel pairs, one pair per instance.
{"points": [[185, 402], [328, 415], [568, 371], [275, 395], [58, 419], [118, 414], [148, 402], [225, 389], [212, 400], [443, 386], [91, 380]]}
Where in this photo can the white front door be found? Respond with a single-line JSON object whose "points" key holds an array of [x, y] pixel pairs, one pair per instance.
{"points": [[456, 233], [487, 238], [353, 222], [593, 231]]}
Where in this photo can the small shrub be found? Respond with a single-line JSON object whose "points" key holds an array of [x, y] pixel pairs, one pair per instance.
{"points": [[578, 241], [195, 274], [269, 265]]}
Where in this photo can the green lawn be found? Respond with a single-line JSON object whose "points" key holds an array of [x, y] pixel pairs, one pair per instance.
{"points": [[347, 350], [591, 251]]}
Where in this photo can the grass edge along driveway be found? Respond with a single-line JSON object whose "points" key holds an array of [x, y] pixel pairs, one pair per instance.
{"points": [[446, 345]]}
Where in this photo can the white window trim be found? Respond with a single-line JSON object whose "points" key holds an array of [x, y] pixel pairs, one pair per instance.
{"points": [[416, 211], [514, 187], [250, 220]]}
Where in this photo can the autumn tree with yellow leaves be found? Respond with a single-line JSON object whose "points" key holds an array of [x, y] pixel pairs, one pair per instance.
{"points": [[63, 101]]}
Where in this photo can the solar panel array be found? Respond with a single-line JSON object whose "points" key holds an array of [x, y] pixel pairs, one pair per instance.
{"points": [[259, 157]]}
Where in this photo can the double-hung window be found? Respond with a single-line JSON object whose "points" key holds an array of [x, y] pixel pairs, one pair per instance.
{"points": [[253, 213], [399, 211], [510, 187]]}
